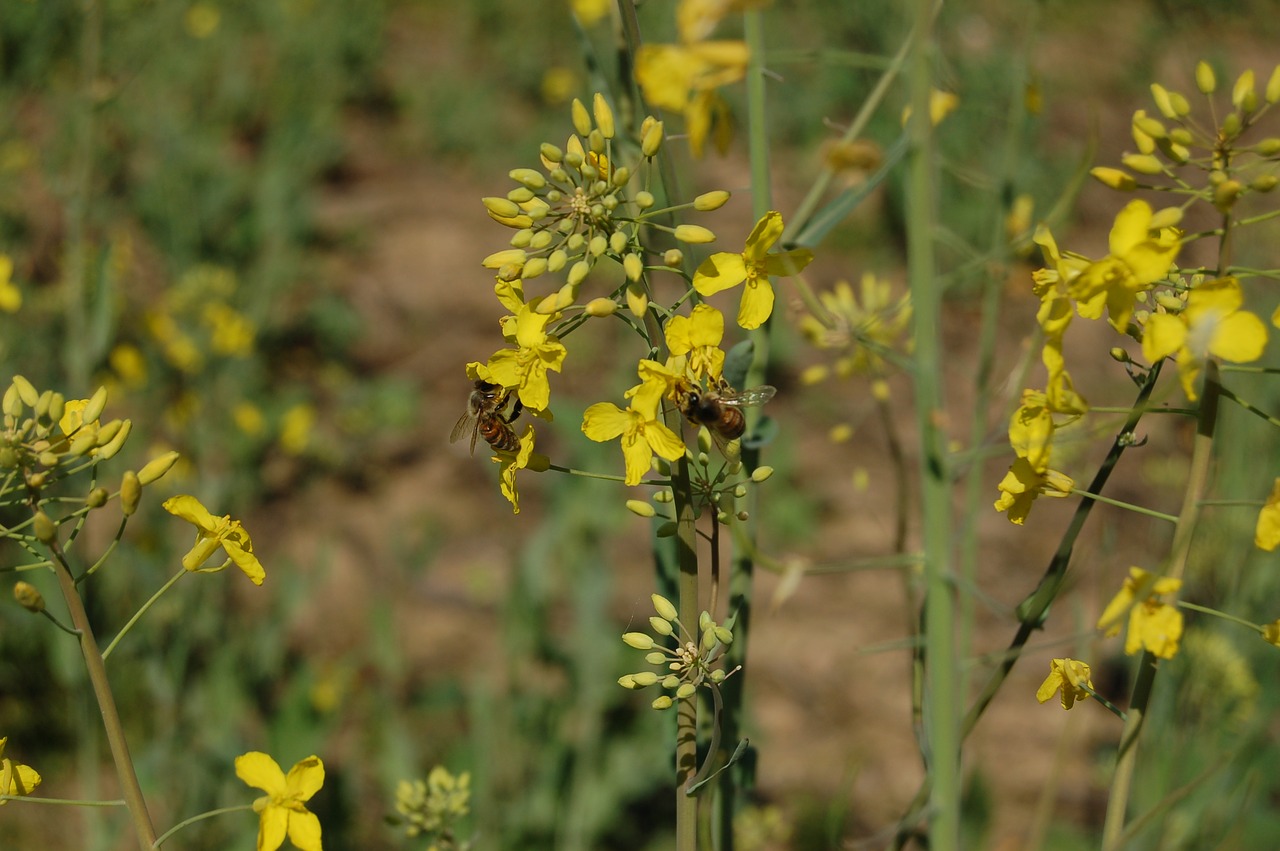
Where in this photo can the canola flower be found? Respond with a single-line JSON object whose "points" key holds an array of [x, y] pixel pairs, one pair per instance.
{"points": [[431, 807], [1266, 534], [1154, 625], [282, 811], [643, 435], [525, 368], [213, 533], [1031, 430], [694, 343], [1142, 250], [16, 778], [1071, 677], [752, 268]]}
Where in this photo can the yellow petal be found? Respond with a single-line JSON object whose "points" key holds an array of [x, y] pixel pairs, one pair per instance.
{"points": [[272, 827], [664, 441], [1239, 338], [604, 421], [189, 509], [261, 772], [719, 272], [1162, 336], [304, 830], [1267, 534], [245, 560], [305, 778], [756, 305], [763, 236]]}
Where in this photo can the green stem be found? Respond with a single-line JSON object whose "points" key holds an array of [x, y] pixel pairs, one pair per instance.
{"points": [[97, 670], [1129, 506], [1197, 483], [187, 822], [1217, 613], [72, 802], [142, 611]]}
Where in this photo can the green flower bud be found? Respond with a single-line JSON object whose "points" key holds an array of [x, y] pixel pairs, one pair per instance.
{"points": [[1231, 125], [704, 621], [1268, 147], [633, 266], [130, 493], [1150, 126], [718, 676], [621, 176], [1120, 355], [673, 257], [604, 115], [1164, 102], [549, 152], [97, 498], [638, 640], [685, 691], [628, 681], [644, 199], [29, 597], [1143, 163], [644, 679], [637, 301], [1243, 95], [760, 474], [84, 440], [1263, 183], [1181, 137], [708, 201], [1226, 193], [723, 634], [617, 242], [109, 449], [1272, 93], [577, 272], [657, 657], [556, 260], [651, 141], [581, 120], [660, 626], [12, 402], [45, 530], [694, 234], [601, 307], [595, 142], [26, 391], [536, 267], [531, 178], [1206, 82], [671, 681], [501, 207], [1165, 218], [664, 496], [48, 458], [740, 491], [663, 702], [93, 408], [519, 195], [664, 607], [640, 508], [598, 245]]}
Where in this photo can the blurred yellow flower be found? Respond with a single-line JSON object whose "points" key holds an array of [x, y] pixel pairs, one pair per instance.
{"points": [[231, 332], [588, 12], [558, 85], [1154, 625], [202, 20], [282, 810], [295, 428], [129, 365], [10, 295], [1266, 535], [1071, 676], [248, 418]]}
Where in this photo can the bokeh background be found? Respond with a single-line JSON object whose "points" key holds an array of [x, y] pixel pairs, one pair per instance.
{"points": [[258, 223]]}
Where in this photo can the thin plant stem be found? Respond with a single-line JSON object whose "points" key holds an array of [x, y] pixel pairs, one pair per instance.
{"points": [[188, 822], [97, 670], [142, 611], [1128, 506]]}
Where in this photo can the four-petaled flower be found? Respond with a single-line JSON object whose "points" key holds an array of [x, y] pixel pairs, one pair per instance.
{"points": [[1139, 257], [1071, 676], [753, 267], [212, 533], [15, 778], [526, 368], [1023, 483], [1211, 325], [638, 426], [1154, 625], [282, 809], [694, 342]]}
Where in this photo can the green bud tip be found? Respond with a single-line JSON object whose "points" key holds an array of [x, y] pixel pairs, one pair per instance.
{"points": [[760, 474], [638, 640], [660, 626], [663, 607], [641, 508]]}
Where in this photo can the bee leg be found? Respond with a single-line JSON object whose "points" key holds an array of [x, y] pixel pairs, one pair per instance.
{"points": [[516, 408]]}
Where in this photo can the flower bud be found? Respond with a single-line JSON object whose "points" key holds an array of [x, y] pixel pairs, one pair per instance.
{"points": [[660, 626], [35, 481], [600, 307], [1243, 95], [708, 201], [1272, 93], [685, 691], [1225, 194], [1119, 355], [1263, 183], [604, 115], [633, 266], [130, 493], [617, 242], [45, 530], [26, 391], [97, 498], [1231, 125], [1143, 163], [760, 474], [29, 597], [644, 199], [621, 176], [1164, 102], [652, 139], [536, 267], [637, 301], [503, 207], [109, 449], [556, 260], [84, 440], [663, 702], [93, 408], [664, 607], [638, 640], [640, 508], [577, 272], [598, 245], [694, 234], [550, 153], [530, 178], [1114, 178], [1205, 80], [581, 120], [1166, 217], [723, 634], [505, 257], [12, 402], [1268, 147], [655, 658], [595, 143], [1150, 126]]}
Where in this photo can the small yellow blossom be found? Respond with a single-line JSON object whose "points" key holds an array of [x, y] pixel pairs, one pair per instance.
{"points": [[684, 78], [1023, 484], [866, 327], [525, 368], [10, 295], [1211, 325], [129, 365], [248, 418], [695, 339], [752, 267], [588, 12], [1071, 676], [1031, 429], [231, 332], [16, 778], [282, 810], [295, 428], [1139, 257], [513, 462], [212, 533], [1271, 633], [641, 432], [1154, 625], [1266, 535]]}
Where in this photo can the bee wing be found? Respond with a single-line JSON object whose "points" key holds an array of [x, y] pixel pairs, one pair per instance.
{"points": [[749, 398], [465, 422]]}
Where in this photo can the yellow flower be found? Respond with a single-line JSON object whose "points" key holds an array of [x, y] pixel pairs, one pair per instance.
{"points": [[129, 365], [684, 78], [1031, 429], [866, 327], [589, 12], [638, 426], [1069, 675], [695, 340], [72, 420], [15, 778], [1267, 534], [753, 267], [212, 533], [231, 332], [1023, 483], [526, 368], [10, 296], [1211, 325], [1271, 633], [1139, 257], [1154, 625], [1053, 283], [1060, 392], [295, 428], [514, 462], [282, 809]]}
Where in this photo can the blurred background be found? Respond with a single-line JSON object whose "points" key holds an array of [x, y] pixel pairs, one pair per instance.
{"points": [[258, 223]]}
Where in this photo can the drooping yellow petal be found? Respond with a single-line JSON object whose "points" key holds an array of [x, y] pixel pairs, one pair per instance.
{"points": [[757, 303], [763, 236], [273, 825], [304, 831], [189, 509]]}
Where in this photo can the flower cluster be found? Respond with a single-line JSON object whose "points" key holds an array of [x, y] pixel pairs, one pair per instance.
{"points": [[431, 808], [689, 665]]}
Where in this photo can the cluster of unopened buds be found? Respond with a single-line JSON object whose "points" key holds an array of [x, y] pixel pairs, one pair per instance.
{"points": [[689, 664]]}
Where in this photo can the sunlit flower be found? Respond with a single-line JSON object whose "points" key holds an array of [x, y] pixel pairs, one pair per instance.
{"points": [[1139, 257], [1154, 625], [643, 435], [514, 462], [752, 267], [282, 810], [526, 368], [1211, 325], [695, 339], [1023, 484], [212, 533], [1071, 676], [16, 778], [1266, 535]]}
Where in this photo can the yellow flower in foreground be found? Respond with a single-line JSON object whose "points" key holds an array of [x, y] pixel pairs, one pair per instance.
{"points": [[10, 296], [1023, 483], [1267, 534], [1211, 325], [1069, 675], [1139, 257], [696, 339], [638, 426], [514, 462], [281, 810], [526, 368], [753, 267], [1154, 625], [212, 533], [15, 778]]}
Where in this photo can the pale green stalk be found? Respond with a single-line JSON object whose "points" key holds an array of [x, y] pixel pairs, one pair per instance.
{"points": [[941, 706], [142, 611]]}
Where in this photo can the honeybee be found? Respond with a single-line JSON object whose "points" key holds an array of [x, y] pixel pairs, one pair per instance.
{"points": [[485, 418], [720, 410]]}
